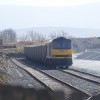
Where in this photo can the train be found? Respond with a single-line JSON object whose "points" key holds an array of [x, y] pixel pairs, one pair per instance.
{"points": [[57, 53]]}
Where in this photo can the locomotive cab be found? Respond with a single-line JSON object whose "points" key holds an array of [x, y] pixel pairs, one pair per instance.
{"points": [[61, 48], [59, 52]]}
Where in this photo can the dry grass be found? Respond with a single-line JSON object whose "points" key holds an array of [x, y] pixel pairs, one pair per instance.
{"points": [[23, 43], [13, 51], [20, 47], [1, 77], [3, 72], [2, 64]]}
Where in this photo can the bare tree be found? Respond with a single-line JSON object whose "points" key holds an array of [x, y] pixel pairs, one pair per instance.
{"points": [[33, 35], [1, 35], [41, 38], [58, 34], [37, 37], [8, 35], [24, 37]]}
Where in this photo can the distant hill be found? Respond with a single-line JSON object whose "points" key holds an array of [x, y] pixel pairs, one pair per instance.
{"points": [[82, 44], [75, 32]]}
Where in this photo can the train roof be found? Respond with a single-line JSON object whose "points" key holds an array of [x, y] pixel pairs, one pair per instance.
{"points": [[48, 42], [34, 45], [37, 44], [61, 38]]}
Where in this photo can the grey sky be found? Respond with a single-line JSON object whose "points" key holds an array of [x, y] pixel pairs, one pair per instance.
{"points": [[47, 3], [26, 15], [85, 16]]}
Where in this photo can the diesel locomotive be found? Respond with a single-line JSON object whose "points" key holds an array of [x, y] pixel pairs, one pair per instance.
{"points": [[56, 53]]}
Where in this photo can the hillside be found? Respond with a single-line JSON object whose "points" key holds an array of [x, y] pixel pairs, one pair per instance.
{"points": [[82, 44], [74, 32]]}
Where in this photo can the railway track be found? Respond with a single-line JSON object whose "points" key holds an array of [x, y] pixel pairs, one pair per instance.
{"points": [[46, 80], [87, 73], [83, 75], [82, 84], [15, 76], [87, 76], [55, 83]]}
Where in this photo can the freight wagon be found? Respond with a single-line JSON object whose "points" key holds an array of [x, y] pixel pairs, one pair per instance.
{"points": [[57, 53]]}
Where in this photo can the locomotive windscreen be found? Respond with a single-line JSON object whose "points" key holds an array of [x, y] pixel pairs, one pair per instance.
{"points": [[61, 44]]}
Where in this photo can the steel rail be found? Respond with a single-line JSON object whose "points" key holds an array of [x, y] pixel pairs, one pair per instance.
{"points": [[95, 76], [81, 77], [58, 80]]}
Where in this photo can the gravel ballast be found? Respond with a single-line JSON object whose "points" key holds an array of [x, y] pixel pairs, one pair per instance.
{"points": [[52, 83], [19, 77], [83, 85]]}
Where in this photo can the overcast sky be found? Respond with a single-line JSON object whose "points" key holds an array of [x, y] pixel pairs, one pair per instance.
{"points": [[49, 13], [47, 3]]}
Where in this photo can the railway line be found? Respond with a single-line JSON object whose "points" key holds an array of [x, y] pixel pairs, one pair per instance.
{"points": [[59, 83], [87, 76], [84, 84], [81, 84], [17, 77], [62, 80], [83, 72]]}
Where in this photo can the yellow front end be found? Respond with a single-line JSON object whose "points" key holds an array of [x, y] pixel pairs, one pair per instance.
{"points": [[61, 53]]}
